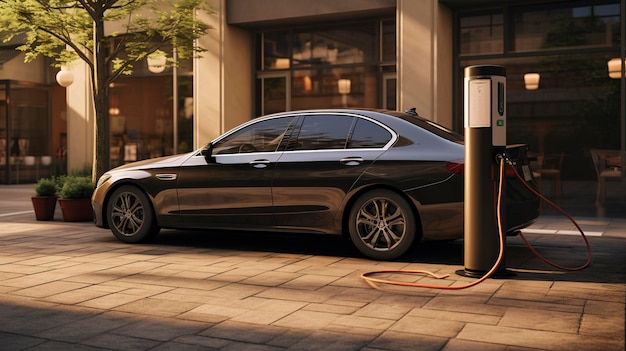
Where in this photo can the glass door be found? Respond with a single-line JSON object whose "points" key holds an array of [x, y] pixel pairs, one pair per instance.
{"points": [[389, 91], [276, 90]]}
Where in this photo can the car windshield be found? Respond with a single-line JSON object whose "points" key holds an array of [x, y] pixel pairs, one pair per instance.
{"points": [[429, 126]]}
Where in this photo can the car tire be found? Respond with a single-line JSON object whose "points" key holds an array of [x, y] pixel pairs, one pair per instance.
{"points": [[382, 225], [130, 215]]}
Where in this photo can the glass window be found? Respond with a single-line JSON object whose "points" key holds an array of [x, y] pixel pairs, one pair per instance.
{"points": [[368, 134], [388, 47], [482, 34], [349, 45], [324, 132], [566, 27], [276, 50], [312, 60], [319, 88], [264, 136]]}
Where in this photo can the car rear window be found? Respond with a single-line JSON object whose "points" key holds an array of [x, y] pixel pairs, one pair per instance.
{"points": [[368, 134], [429, 126]]}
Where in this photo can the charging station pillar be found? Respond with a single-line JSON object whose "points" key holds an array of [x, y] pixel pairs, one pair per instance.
{"points": [[485, 139]]}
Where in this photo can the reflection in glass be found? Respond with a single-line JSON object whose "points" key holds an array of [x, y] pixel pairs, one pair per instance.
{"points": [[276, 50], [482, 34], [566, 27], [274, 95], [335, 47], [317, 134]]}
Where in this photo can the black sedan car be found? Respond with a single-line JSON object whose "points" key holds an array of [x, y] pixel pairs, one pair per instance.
{"points": [[386, 179]]}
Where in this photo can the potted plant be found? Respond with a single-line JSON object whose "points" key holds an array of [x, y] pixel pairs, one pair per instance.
{"points": [[45, 199], [75, 199]]}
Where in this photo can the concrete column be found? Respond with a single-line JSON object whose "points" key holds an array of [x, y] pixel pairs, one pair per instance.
{"points": [[222, 77], [80, 119], [424, 40]]}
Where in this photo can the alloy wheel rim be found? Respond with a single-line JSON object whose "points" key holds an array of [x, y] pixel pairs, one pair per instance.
{"points": [[127, 214], [381, 224]]}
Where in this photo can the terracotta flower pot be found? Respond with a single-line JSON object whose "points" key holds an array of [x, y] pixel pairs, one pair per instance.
{"points": [[76, 210], [44, 207]]}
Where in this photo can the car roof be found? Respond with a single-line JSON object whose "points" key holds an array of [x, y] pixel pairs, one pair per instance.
{"points": [[389, 118]]}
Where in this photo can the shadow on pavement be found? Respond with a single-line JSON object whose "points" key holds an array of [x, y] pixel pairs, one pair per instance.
{"points": [[607, 264]]}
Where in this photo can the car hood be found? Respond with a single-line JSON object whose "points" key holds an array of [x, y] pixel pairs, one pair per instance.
{"points": [[159, 162]]}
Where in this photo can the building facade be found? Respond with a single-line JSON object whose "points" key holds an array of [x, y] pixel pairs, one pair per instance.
{"points": [[276, 55]]}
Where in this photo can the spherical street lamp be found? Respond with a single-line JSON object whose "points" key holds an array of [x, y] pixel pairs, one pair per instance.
{"points": [[65, 77]]}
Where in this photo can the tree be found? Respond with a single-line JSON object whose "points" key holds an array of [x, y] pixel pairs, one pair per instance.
{"points": [[69, 30]]}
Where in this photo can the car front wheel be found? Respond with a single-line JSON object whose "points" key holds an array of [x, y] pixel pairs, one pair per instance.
{"points": [[382, 225], [130, 215]]}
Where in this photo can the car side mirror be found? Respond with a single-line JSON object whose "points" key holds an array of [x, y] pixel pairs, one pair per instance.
{"points": [[207, 152]]}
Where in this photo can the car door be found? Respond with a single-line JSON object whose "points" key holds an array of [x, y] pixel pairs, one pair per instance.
{"points": [[312, 177], [232, 188]]}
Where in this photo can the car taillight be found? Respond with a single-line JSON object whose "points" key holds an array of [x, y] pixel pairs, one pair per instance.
{"points": [[456, 167], [509, 171]]}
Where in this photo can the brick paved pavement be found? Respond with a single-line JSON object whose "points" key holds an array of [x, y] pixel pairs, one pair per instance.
{"points": [[67, 286]]}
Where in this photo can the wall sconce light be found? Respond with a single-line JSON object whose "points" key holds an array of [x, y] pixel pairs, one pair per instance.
{"points": [[615, 68], [114, 111], [531, 81], [343, 85], [308, 83], [65, 77], [281, 63], [156, 62]]}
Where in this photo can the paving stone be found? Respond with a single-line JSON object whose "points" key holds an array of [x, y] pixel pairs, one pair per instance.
{"points": [[428, 326], [330, 308], [160, 329], [77, 296], [362, 322], [270, 278], [539, 339], [399, 341], [609, 326], [526, 318], [120, 342], [11, 341], [243, 332], [49, 289], [110, 301], [464, 317], [310, 282], [269, 312], [307, 320], [330, 341], [157, 307], [202, 341], [293, 294], [559, 304]]}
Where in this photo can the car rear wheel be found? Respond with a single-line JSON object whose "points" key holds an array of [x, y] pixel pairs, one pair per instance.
{"points": [[382, 225], [130, 215]]}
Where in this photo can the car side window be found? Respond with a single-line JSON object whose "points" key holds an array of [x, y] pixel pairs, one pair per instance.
{"points": [[368, 134], [263, 136], [324, 132]]}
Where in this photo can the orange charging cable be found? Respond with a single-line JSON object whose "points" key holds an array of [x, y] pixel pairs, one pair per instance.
{"points": [[565, 268], [368, 276]]}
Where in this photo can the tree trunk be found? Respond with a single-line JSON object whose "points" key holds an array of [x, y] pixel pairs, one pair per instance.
{"points": [[100, 75]]}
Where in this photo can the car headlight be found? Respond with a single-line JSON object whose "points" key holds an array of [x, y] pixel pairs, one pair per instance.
{"points": [[103, 179]]}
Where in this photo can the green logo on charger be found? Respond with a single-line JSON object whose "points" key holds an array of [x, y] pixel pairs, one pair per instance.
{"points": [[500, 122]]}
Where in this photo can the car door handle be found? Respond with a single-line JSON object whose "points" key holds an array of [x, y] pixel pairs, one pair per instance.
{"points": [[259, 163], [166, 176], [351, 161]]}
